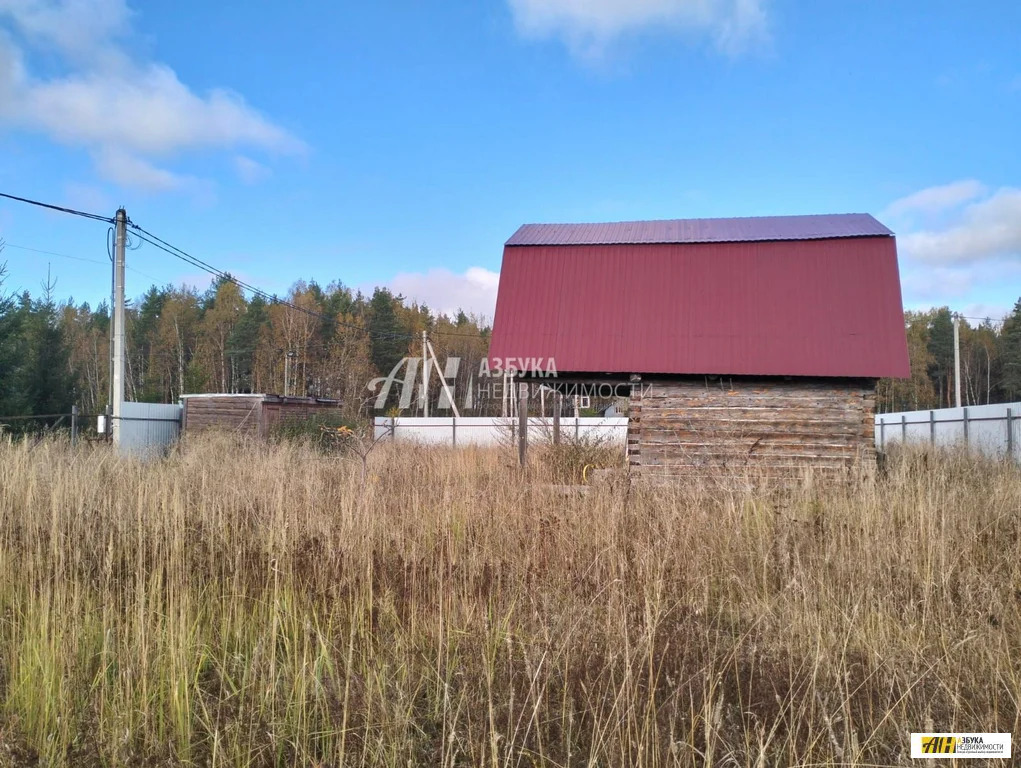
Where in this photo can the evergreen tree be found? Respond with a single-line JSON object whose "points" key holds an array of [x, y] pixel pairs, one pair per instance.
{"points": [[243, 342], [1010, 355], [11, 399], [389, 342], [941, 353], [44, 378], [144, 343]]}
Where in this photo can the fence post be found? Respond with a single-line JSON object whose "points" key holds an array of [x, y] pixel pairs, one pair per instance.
{"points": [[522, 424], [453, 430], [904, 428], [882, 433], [1010, 434], [932, 427], [967, 441], [557, 407], [74, 425]]}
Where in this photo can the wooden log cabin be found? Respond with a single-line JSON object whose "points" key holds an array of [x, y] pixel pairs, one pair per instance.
{"points": [[255, 414], [747, 346]]}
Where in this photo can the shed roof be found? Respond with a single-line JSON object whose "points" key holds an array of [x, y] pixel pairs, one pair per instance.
{"points": [[780, 305], [746, 229]]}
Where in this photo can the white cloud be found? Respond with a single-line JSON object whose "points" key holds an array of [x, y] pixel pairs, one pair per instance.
{"points": [[926, 284], [960, 245], [937, 199], [989, 228], [250, 171], [87, 197], [473, 291], [77, 28], [133, 112], [130, 170], [589, 26]]}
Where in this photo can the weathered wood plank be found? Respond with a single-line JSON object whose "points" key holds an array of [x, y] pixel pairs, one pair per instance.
{"points": [[766, 425]]}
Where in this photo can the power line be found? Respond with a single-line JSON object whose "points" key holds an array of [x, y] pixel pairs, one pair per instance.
{"points": [[272, 298], [183, 255], [60, 208], [179, 253], [54, 253], [990, 319], [74, 258]]}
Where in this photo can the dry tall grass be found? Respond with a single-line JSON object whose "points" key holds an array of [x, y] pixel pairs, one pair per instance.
{"points": [[255, 605]]}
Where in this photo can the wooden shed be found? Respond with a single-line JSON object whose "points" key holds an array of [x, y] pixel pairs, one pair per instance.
{"points": [[255, 414], [744, 345]]}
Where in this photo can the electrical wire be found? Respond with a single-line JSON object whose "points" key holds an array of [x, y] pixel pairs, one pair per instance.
{"points": [[75, 258], [983, 319], [183, 255], [157, 242], [271, 298], [54, 253], [195, 261], [60, 208]]}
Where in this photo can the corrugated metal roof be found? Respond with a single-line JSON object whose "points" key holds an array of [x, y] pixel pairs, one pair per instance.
{"points": [[795, 308], [748, 229]]}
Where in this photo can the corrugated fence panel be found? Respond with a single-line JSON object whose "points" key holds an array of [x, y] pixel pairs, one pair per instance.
{"points": [[994, 430], [496, 430], [146, 429]]}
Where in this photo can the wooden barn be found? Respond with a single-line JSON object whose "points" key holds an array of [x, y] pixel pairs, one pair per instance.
{"points": [[247, 414], [748, 345]]}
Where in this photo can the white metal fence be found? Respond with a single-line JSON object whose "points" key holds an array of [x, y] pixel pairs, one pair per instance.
{"points": [[492, 430], [146, 429], [994, 430]]}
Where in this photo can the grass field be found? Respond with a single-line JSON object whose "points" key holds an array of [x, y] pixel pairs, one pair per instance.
{"points": [[260, 605]]}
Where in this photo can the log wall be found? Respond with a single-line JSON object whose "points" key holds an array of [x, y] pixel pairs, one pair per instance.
{"points": [[248, 414], [242, 414], [772, 427]]}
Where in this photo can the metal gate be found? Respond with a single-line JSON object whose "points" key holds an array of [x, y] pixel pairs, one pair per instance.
{"points": [[148, 429]]}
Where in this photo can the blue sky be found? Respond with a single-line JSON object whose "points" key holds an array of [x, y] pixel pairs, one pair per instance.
{"points": [[401, 143]]}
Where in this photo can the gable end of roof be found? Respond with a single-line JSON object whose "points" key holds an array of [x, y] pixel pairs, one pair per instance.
{"points": [[677, 231]]}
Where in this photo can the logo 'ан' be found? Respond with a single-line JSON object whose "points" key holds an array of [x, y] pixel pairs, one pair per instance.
{"points": [[939, 745], [960, 745]]}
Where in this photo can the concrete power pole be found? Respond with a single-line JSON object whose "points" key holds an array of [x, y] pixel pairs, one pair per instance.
{"points": [[120, 238], [957, 360], [425, 374], [291, 355]]}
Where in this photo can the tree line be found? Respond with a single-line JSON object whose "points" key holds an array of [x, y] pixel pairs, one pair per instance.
{"points": [[330, 342], [327, 342], [990, 362]]}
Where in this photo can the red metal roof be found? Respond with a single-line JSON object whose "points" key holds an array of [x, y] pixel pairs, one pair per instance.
{"points": [[752, 228], [828, 307]]}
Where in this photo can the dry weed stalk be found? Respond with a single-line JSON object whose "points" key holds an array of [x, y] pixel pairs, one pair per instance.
{"points": [[243, 604]]}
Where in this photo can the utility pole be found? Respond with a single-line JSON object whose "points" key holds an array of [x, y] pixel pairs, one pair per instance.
{"points": [[291, 354], [443, 381], [957, 360], [425, 375], [120, 238]]}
